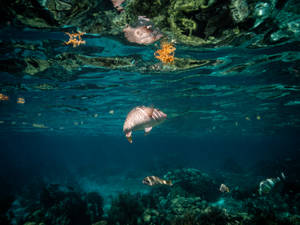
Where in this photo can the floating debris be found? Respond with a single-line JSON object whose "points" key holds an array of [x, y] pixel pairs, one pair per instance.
{"points": [[111, 112], [96, 115], [142, 118], [75, 39], [3, 97], [2, 122], [39, 125], [20, 100], [44, 87], [267, 185], [223, 188], [247, 118], [166, 53], [153, 180], [258, 117]]}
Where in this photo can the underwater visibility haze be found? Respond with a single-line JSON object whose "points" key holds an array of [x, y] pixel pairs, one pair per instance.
{"points": [[163, 112]]}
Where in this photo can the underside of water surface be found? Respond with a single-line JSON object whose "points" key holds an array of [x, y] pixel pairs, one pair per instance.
{"points": [[225, 72]]}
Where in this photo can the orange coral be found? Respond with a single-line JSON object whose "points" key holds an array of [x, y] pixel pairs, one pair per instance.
{"points": [[21, 100], [75, 39], [3, 97], [166, 53]]}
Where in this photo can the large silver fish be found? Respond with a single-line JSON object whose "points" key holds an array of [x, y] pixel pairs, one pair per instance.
{"points": [[142, 118]]}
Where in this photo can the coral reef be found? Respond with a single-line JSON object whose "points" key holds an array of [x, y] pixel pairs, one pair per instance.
{"points": [[125, 209], [191, 204], [192, 200], [63, 205]]}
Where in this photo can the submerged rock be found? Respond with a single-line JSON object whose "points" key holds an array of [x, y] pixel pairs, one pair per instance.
{"points": [[179, 206], [195, 183], [126, 208], [61, 204]]}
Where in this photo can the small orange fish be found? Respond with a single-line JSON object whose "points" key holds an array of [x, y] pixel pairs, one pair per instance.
{"points": [[153, 180]]}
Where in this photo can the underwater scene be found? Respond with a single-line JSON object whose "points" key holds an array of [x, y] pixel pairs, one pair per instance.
{"points": [[139, 112]]}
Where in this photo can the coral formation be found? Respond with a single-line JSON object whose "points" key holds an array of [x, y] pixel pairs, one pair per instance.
{"points": [[60, 204], [125, 209], [3, 97], [21, 100], [190, 204], [75, 39], [195, 183], [166, 53]]}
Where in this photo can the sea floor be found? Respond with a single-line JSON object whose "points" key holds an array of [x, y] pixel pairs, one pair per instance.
{"points": [[194, 198]]}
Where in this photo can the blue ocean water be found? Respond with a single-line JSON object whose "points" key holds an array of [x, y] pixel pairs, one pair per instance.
{"points": [[236, 114]]}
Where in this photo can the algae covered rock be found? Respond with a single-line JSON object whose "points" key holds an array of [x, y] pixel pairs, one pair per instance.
{"points": [[179, 205], [59, 204], [91, 16], [94, 206], [193, 22], [194, 183], [150, 215], [126, 208]]}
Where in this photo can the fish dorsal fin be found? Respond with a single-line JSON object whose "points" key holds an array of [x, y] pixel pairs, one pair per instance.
{"points": [[147, 130]]}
